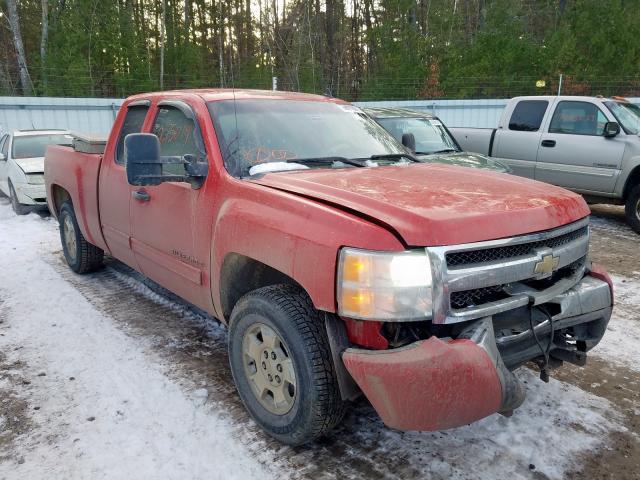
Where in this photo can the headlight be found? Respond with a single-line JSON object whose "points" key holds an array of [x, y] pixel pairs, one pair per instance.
{"points": [[388, 286], [35, 178]]}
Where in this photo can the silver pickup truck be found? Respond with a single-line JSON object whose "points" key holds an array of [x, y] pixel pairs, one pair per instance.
{"points": [[586, 144]]}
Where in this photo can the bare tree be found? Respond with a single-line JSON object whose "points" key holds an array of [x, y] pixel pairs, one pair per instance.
{"points": [[44, 39], [14, 24]]}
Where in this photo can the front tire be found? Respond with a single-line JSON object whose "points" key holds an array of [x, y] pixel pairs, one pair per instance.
{"points": [[81, 256], [18, 208], [281, 363], [632, 208]]}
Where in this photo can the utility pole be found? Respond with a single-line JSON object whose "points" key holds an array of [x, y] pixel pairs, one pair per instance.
{"points": [[560, 85]]}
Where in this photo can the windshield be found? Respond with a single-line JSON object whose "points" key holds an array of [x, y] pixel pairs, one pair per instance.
{"points": [[255, 132], [34, 145], [430, 134], [627, 115]]}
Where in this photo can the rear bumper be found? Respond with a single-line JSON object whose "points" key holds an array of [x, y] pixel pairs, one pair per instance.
{"points": [[436, 384]]}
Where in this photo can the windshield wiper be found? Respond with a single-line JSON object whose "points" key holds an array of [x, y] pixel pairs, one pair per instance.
{"points": [[325, 160], [393, 156], [445, 150]]}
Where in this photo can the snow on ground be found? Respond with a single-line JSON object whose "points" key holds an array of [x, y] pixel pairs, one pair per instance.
{"points": [[621, 343], [109, 408], [106, 410]]}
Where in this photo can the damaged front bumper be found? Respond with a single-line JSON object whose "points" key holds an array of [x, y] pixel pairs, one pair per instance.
{"points": [[441, 383]]}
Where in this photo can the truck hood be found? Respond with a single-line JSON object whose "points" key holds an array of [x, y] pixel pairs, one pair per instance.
{"points": [[30, 165], [466, 159], [433, 204]]}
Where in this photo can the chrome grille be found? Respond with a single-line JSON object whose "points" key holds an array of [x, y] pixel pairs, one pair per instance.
{"points": [[481, 279], [499, 253]]}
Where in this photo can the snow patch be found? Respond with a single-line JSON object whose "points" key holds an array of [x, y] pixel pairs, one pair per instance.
{"points": [[621, 341], [275, 167]]}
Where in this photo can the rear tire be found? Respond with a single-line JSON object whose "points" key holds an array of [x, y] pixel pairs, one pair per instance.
{"points": [[18, 208], [632, 208], [278, 345], [81, 256]]}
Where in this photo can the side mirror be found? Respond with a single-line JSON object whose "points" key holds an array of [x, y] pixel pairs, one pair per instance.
{"points": [[3, 157], [409, 141], [142, 159], [611, 129], [144, 164]]}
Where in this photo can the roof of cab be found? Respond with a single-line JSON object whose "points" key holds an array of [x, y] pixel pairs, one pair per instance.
{"points": [[393, 112], [213, 94]]}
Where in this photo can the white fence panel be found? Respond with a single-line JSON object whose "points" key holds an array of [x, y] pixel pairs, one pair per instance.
{"points": [[87, 115], [96, 115]]}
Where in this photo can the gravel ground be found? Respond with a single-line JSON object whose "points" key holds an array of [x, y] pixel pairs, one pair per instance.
{"points": [[109, 376]]}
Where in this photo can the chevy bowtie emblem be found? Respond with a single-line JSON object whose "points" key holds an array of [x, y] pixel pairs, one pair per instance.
{"points": [[547, 265]]}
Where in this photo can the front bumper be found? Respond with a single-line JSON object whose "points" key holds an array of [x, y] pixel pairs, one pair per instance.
{"points": [[31, 194], [441, 383]]}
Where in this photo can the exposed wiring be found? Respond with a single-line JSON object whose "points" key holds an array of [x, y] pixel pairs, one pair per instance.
{"points": [[544, 372]]}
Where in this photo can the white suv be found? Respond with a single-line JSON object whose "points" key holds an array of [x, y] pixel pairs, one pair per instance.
{"points": [[22, 166]]}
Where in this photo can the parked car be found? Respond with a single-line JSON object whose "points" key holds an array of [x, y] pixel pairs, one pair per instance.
{"points": [[422, 286], [22, 166], [587, 144], [430, 139]]}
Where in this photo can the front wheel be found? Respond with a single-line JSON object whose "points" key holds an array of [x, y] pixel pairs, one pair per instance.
{"points": [[18, 208], [632, 208], [82, 256], [281, 363]]}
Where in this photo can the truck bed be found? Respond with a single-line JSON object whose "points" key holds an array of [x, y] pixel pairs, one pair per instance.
{"points": [[478, 140], [73, 174]]}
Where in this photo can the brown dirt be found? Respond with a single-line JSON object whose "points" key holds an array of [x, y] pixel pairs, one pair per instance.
{"points": [[616, 246], [15, 419]]}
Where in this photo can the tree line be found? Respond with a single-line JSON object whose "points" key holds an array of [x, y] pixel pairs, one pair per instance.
{"points": [[355, 49]]}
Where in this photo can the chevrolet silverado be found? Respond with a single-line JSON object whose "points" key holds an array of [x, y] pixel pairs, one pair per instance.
{"points": [[341, 264]]}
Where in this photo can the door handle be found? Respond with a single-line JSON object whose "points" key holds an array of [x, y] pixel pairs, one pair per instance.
{"points": [[141, 195], [548, 143]]}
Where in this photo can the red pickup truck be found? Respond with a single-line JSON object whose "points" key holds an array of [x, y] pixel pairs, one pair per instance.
{"points": [[341, 264]]}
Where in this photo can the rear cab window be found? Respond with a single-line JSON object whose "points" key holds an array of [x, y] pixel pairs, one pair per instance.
{"points": [[179, 135], [578, 118], [527, 116], [133, 121]]}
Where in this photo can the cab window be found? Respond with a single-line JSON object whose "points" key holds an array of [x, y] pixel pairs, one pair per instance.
{"points": [[578, 118], [178, 136], [133, 122], [527, 115]]}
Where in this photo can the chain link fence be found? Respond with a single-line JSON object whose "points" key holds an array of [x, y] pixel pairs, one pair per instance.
{"points": [[110, 84]]}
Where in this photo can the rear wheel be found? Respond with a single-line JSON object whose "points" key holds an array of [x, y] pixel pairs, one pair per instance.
{"points": [[81, 256], [632, 208], [17, 207], [281, 363]]}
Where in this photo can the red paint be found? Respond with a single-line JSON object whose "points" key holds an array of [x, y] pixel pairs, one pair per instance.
{"points": [[365, 334], [433, 385], [600, 273], [181, 237], [432, 204]]}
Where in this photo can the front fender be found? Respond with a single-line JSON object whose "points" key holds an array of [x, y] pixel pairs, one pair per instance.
{"points": [[297, 236]]}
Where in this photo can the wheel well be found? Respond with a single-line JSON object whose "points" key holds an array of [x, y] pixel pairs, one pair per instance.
{"points": [[60, 195], [632, 181], [241, 274]]}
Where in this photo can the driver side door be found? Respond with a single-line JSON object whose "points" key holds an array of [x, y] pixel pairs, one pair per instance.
{"points": [[163, 217]]}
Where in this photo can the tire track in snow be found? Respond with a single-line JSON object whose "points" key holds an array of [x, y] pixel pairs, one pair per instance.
{"points": [[362, 447]]}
